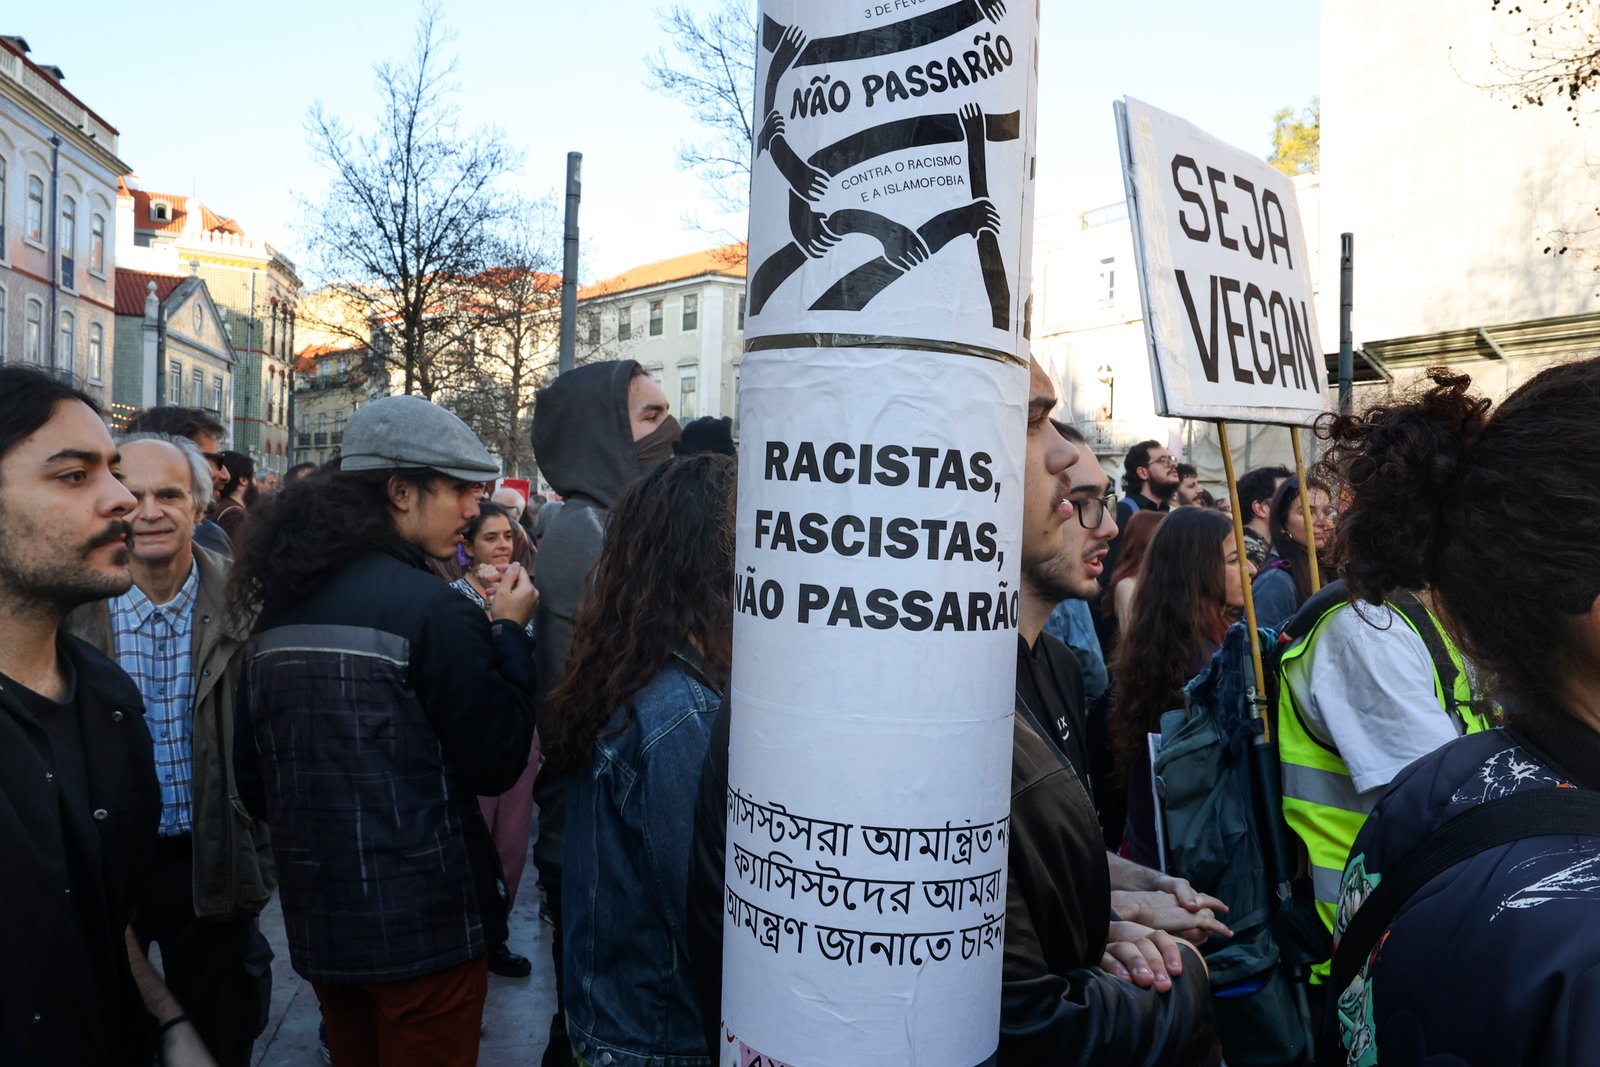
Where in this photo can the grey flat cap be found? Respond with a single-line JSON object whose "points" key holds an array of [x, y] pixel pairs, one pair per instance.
{"points": [[408, 431]]}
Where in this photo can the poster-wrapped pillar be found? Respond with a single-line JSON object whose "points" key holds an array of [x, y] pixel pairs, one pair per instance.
{"points": [[882, 403]]}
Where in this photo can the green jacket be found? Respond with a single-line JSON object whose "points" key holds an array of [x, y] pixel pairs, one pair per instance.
{"points": [[233, 868]]}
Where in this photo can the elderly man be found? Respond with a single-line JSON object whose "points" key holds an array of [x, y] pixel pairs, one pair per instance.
{"points": [[211, 873], [511, 500]]}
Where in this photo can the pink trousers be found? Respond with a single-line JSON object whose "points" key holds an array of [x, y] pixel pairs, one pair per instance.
{"points": [[510, 819]]}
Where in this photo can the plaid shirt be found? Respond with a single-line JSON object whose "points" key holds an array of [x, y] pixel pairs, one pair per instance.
{"points": [[153, 644]]}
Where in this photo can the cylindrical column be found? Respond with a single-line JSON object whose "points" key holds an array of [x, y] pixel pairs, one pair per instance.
{"points": [[883, 411]]}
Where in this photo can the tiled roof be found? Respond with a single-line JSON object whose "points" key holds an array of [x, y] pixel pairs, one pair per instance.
{"points": [[728, 261], [178, 204], [134, 285]]}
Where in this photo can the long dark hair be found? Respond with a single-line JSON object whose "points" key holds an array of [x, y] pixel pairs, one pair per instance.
{"points": [[664, 581], [1286, 502], [312, 528], [1180, 603], [1499, 513], [1130, 557]]}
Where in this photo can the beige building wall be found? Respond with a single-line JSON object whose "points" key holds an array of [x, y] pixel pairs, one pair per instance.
{"points": [[1453, 196]]}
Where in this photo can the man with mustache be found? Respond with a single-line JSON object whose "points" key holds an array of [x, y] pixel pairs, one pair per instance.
{"points": [[78, 797], [211, 873]]}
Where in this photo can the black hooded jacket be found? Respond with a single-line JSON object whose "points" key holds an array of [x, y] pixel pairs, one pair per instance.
{"points": [[584, 446]]}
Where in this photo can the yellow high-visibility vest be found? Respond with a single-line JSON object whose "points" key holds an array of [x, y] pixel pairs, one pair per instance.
{"points": [[1320, 800]]}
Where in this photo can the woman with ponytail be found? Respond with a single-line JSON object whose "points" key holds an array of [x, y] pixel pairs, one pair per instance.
{"points": [[1493, 958]]}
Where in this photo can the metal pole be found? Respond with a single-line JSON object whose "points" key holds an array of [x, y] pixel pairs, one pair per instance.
{"points": [[1347, 254], [1249, 598], [569, 270], [53, 327]]}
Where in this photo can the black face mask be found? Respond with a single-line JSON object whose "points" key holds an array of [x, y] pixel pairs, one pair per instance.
{"points": [[655, 448]]}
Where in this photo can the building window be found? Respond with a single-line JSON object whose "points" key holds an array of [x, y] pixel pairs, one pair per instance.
{"points": [[338, 427], [655, 318], [624, 323], [175, 383], [97, 243], [97, 352], [160, 211], [66, 355], [272, 389], [2, 325], [594, 329], [68, 241], [216, 394], [741, 311], [687, 408], [1108, 279], [283, 397], [33, 332], [199, 393], [35, 230], [691, 312], [2, 211]]}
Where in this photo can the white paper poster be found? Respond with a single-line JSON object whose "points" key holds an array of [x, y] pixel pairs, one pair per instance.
{"points": [[874, 672], [883, 402], [892, 182], [1229, 308]]}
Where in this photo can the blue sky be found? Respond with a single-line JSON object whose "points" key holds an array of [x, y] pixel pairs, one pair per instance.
{"points": [[211, 99]]}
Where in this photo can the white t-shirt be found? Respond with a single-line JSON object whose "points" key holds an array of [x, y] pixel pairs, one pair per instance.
{"points": [[1366, 687]]}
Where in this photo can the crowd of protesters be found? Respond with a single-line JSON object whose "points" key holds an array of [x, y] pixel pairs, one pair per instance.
{"points": [[361, 688]]}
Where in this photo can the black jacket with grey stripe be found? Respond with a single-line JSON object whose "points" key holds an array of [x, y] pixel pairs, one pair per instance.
{"points": [[380, 709]]}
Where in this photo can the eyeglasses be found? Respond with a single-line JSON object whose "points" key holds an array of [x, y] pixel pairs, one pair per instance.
{"points": [[1162, 461], [214, 458], [1092, 512]]}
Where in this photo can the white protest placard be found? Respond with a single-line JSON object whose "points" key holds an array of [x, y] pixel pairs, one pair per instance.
{"points": [[883, 400], [1229, 309]]}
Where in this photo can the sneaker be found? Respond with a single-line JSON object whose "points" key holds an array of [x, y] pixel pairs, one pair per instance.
{"points": [[508, 964]]}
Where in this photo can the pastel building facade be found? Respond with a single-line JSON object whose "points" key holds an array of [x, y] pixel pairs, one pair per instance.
{"points": [[58, 177]]}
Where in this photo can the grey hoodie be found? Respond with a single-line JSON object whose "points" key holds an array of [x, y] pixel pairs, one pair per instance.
{"points": [[583, 443]]}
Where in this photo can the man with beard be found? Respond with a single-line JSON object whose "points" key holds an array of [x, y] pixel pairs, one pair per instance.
{"points": [[1050, 695], [1149, 483], [78, 797], [1189, 493], [1065, 999]]}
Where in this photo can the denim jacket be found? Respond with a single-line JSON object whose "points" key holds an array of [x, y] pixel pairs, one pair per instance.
{"points": [[630, 813]]}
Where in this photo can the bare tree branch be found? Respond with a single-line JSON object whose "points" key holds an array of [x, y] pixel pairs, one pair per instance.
{"points": [[408, 210], [711, 69]]}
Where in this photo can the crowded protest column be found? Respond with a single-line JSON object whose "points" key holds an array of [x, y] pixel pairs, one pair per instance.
{"points": [[882, 432]]}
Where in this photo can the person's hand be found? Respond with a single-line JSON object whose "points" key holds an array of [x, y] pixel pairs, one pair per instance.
{"points": [[1145, 957], [489, 577], [181, 1047], [516, 598], [1187, 894], [1165, 911]]}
